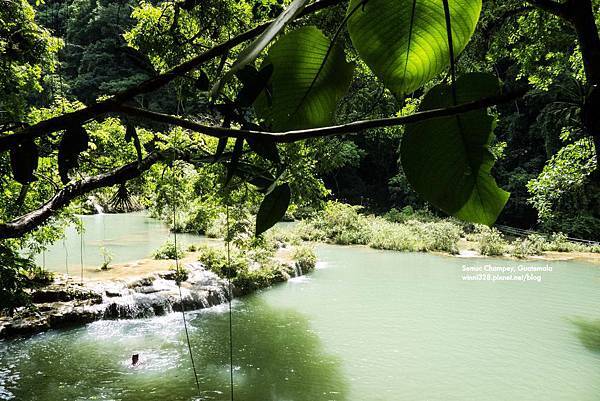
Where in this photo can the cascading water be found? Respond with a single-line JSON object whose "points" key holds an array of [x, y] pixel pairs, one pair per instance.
{"points": [[99, 209], [154, 295], [297, 270]]}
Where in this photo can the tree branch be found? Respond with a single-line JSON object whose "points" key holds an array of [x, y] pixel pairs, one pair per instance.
{"points": [[62, 198], [81, 116], [350, 128], [28, 222], [561, 10]]}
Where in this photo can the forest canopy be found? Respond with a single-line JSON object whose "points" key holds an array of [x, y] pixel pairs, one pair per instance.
{"points": [[480, 110]]}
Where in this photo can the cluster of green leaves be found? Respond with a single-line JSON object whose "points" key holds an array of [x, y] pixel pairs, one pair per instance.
{"points": [[563, 178], [408, 231], [27, 51], [248, 269], [18, 275], [167, 251], [490, 241]]}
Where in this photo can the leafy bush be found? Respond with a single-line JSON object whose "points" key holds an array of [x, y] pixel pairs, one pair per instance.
{"points": [[241, 227], [533, 244], [247, 281], [408, 213], [215, 259], [107, 258], [17, 276], [442, 236], [337, 223], [181, 273], [559, 243], [396, 237], [38, 277], [278, 237], [168, 251], [490, 241], [304, 258], [415, 236], [249, 270], [217, 228]]}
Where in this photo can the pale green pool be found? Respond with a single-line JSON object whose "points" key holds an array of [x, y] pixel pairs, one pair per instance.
{"points": [[365, 326]]}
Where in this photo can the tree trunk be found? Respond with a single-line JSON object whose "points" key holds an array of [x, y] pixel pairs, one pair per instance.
{"points": [[582, 17]]}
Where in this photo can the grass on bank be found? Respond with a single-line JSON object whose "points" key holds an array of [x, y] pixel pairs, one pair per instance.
{"points": [[252, 263], [421, 231], [252, 269], [405, 230]]}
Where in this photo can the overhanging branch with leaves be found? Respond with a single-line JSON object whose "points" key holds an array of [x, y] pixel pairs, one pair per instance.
{"points": [[344, 129], [73, 190], [305, 75]]}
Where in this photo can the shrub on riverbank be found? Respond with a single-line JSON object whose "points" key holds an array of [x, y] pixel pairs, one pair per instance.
{"points": [[249, 269], [490, 241], [415, 236], [531, 245], [337, 223], [343, 224], [408, 213], [442, 236], [304, 258], [396, 237], [168, 251]]}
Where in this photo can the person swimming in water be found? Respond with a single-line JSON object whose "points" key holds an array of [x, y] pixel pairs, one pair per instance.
{"points": [[135, 359]]}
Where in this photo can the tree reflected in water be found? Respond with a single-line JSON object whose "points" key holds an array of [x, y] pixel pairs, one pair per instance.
{"points": [[589, 333]]}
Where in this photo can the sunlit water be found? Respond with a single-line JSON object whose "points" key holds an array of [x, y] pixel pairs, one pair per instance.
{"points": [[126, 237], [366, 326]]}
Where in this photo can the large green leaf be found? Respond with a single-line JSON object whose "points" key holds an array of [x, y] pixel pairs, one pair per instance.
{"points": [[24, 161], [273, 208], [251, 52], [295, 99], [448, 161], [405, 42]]}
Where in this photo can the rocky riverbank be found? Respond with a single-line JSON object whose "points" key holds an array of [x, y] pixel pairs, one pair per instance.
{"points": [[66, 303]]}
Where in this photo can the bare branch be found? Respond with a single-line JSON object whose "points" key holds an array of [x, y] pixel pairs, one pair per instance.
{"points": [[350, 128], [78, 117]]}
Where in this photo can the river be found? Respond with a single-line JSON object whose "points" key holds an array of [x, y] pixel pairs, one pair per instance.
{"points": [[367, 325]]}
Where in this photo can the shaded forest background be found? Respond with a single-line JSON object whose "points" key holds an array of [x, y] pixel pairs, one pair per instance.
{"points": [[543, 158]]}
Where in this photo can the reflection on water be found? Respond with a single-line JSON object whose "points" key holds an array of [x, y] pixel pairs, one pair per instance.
{"points": [[276, 358], [589, 333]]}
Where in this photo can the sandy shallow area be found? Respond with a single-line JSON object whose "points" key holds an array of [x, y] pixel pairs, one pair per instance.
{"points": [[144, 267]]}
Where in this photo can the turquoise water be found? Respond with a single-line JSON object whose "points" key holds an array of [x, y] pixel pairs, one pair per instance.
{"points": [[367, 325], [127, 237]]}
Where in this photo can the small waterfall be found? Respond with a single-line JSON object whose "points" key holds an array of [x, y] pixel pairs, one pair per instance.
{"points": [[99, 209], [297, 270]]}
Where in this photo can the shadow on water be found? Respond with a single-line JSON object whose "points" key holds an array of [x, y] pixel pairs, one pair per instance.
{"points": [[588, 333], [276, 357]]}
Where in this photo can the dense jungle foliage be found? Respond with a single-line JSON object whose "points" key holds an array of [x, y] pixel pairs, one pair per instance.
{"points": [[60, 56]]}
